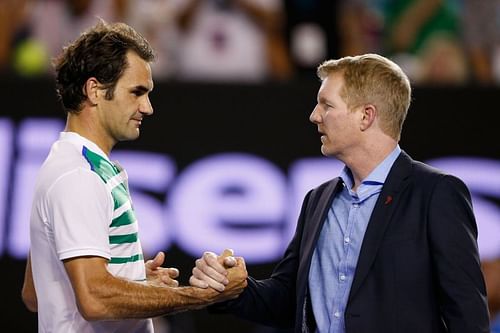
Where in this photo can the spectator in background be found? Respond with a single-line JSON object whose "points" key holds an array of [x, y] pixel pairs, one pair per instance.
{"points": [[481, 29], [361, 24], [312, 33], [231, 40], [423, 37], [55, 23], [155, 20], [19, 52]]}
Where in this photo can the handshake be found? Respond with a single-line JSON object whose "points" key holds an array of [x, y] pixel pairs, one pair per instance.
{"points": [[215, 278]]}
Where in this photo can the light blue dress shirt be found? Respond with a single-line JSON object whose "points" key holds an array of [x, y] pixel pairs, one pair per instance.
{"points": [[336, 254]]}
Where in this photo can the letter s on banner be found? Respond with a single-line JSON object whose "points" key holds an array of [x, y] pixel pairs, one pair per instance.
{"points": [[230, 200]]}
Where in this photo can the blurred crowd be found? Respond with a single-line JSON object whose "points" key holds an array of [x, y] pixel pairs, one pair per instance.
{"points": [[450, 42]]}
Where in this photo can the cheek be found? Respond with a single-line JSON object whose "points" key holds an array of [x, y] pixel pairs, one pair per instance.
{"points": [[330, 123]]}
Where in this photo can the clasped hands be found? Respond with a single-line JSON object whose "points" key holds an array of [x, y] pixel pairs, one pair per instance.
{"points": [[225, 273]]}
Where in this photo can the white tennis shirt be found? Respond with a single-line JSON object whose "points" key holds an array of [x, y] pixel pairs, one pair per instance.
{"points": [[81, 207]]}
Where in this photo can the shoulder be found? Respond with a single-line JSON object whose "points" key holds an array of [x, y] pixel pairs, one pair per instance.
{"points": [[323, 192], [66, 171], [434, 179]]}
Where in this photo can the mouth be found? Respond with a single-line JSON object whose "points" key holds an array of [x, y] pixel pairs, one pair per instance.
{"points": [[138, 121], [323, 136]]}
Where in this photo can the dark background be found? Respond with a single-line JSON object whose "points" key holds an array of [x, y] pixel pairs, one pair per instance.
{"points": [[192, 121]]}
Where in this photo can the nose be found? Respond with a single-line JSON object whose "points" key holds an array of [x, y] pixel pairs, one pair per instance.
{"points": [[145, 107], [315, 116]]}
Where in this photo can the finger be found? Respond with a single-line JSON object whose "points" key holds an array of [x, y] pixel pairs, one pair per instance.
{"points": [[211, 282], [173, 272], [193, 281], [227, 253], [225, 258], [210, 272], [169, 281], [173, 283], [211, 261], [229, 262], [157, 261], [241, 261]]}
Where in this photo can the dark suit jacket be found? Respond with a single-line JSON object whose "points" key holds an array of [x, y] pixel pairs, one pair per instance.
{"points": [[418, 269]]}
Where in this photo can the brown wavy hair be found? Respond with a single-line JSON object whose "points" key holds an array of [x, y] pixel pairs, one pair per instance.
{"points": [[99, 52]]}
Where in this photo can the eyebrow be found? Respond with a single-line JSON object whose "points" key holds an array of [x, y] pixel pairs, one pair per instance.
{"points": [[141, 88], [323, 99]]}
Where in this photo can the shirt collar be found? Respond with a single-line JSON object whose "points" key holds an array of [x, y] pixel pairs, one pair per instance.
{"points": [[79, 140], [377, 176]]}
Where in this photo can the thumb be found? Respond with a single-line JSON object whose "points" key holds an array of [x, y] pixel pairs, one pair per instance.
{"points": [[158, 260], [227, 253], [227, 259]]}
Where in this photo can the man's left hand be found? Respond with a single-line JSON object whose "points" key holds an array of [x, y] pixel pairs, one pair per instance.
{"points": [[161, 276]]}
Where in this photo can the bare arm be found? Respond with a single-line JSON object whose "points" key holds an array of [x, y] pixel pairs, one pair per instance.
{"points": [[161, 276], [185, 17], [268, 19], [406, 28], [271, 21], [28, 291], [101, 296]]}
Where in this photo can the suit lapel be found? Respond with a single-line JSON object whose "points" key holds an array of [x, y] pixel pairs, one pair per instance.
{"points": [[315, 218], [380, 218]]}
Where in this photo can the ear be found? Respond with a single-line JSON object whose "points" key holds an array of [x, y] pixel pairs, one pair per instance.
{"points": [[368, 114], [91, 90]]}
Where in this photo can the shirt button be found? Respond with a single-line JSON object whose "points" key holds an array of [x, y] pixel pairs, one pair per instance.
{"points": [[347, 240], [337, 314], [342, 277], [355, 205]]}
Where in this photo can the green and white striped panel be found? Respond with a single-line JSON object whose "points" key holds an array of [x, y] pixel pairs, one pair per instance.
{"points": [[126, 253]]}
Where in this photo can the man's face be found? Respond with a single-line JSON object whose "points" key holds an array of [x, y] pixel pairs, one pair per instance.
{"points": [[338, 126], [121, 116]]}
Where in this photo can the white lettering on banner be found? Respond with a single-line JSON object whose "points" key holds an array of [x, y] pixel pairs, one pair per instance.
{"points": [[5, 163], [232, 200], [33, 141], [152, 173], [482, 177], [304, 175]]}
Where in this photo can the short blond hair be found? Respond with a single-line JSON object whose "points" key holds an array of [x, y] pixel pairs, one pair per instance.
{"points": [[373, 79]]}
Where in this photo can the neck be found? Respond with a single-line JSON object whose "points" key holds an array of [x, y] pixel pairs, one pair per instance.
{"points": [[366, 159], [81, 124]]}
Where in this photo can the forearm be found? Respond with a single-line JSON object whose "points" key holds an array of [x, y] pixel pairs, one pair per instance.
{"points": [[102, 296], [420, 12], [28, 292], [116, 298], [185, 18], [271, 20], [266, 302]]}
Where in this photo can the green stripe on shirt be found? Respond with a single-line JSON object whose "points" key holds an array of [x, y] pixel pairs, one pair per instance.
{"points": [[122, 239], [124, 260], [128, 217]]}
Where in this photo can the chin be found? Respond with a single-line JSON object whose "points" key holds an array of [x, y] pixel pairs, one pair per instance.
{"points": [[327, 152], [130, 136]]}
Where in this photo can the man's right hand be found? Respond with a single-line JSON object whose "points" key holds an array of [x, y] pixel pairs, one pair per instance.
{"points": [[225, 273]]}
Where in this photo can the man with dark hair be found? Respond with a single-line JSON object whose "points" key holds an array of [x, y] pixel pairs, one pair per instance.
{"points": [[86, 271], [390, 245]]}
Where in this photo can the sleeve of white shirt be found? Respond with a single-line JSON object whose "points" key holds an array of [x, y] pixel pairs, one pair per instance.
{"points": [[80, 212]]}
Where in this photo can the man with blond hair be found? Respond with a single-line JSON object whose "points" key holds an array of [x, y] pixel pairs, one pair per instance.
{"points": [[390, 245]]}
